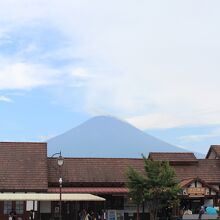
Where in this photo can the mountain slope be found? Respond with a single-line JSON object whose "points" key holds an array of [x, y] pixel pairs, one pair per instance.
{"points": [[105, 136]]}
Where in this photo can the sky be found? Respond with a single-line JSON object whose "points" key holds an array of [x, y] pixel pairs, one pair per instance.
{"points": [[154, 64]]}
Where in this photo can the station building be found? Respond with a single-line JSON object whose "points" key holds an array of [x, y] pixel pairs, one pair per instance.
{"points": [[29, 183]]}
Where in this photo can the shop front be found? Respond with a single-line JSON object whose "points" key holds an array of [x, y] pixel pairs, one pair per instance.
{"points": [[196, 193], [94, 184], [42, 206]]}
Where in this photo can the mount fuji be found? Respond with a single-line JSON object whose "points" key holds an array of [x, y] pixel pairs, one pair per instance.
{"points": [[105, 136]]}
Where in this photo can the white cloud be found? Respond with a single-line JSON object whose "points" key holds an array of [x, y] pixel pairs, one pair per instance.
{"points": [[156, 120], [155, 62], [45, 137], [169, 120], [5, 99], [79, 73], [199, 137], [25, 76]]}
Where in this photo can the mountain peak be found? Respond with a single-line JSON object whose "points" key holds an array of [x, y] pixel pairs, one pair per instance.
{"points": [[107, 136], [105, 122], [105, 119]]}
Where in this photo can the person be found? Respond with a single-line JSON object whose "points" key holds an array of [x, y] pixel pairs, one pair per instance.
{"points": [[187, 212], [92, 216], [87, 217], [31, 217], [13, 215], [100, 215], [201, 212], [82, 214]]}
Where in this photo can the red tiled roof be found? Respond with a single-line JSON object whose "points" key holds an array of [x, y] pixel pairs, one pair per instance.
{"points": [[185, 182], [93, 170], [172, 157], [215, 148], [205, 169], [96, 190], [23, 166]]}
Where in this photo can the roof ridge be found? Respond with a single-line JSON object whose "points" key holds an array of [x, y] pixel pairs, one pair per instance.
{"points": [[22, 142], [171, 153], [106, 158]]}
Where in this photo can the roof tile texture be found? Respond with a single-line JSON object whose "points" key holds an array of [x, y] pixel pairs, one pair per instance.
{"points": [[113, 170], [217, 148], [23, 166], [173, 157], [94, 170], [206, 169]]}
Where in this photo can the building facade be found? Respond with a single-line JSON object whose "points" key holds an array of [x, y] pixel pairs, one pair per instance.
{"points": [[29, 182]]}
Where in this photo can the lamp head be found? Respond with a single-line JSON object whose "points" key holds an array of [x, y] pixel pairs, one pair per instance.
{"points": [[60, 181], [60, 161]]}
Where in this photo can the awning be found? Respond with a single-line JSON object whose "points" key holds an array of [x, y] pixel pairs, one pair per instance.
{"points": [[95, 190], [49, 197]]}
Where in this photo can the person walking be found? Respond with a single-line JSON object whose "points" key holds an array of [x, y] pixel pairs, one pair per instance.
{"points": [[88, 216], [201, 212]]}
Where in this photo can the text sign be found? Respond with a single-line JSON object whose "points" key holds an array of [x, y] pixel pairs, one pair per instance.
{"points": [[196, 191]]}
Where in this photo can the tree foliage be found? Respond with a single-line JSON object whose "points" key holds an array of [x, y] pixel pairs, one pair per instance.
{"points": [[136, 185], [157, 186]]}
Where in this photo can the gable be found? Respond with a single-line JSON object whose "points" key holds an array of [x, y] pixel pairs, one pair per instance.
{"points": [[197, 188], [214, 152]]}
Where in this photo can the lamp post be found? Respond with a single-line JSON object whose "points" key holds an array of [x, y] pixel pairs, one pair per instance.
{"points": [[60, 182], [60, 162]]}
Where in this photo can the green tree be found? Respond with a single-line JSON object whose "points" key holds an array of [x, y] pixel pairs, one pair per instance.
{"points": [[157, 186], [136, 185]]}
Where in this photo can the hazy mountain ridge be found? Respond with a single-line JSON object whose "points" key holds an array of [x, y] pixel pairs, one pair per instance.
{"points": [[105, 136]]}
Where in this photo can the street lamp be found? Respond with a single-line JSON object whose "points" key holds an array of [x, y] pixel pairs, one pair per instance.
{"points": [[60, 161]]}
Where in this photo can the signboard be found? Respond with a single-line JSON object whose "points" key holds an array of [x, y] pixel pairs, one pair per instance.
{"points": [[196, 191], [31, 205], [112, 215], [120, 214]]}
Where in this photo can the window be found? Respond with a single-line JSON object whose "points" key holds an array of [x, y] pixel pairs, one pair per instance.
{"points": [[7, 207], [19, 207]]}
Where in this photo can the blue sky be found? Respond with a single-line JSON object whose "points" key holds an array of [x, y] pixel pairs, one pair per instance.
{"points": [[152, 63]]}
